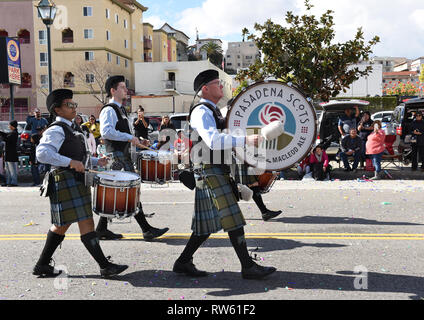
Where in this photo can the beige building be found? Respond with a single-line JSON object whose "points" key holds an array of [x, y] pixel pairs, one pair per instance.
{"points": [[164, 46], [148, 42], [182, 41], [241, 55], [91, 39]]}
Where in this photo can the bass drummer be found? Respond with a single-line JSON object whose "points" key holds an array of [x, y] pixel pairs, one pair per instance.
{"points": [[115, 130]]}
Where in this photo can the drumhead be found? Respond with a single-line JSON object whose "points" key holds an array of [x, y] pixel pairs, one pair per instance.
{"points": [[118, 178], [148, 154], [266, 102]]}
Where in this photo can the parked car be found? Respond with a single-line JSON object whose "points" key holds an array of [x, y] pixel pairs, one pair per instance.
{"points": [[382, 115], [179, 120], [328, 132]]}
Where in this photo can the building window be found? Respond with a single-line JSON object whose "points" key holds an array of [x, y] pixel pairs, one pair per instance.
{"points": [[88, 34], [67, 36], [118, 60], [109, 57], [126, 63], [127, 83], [87, 11], [107, 35], [135, 46], [89, 56], [89, 78], [107, 13], [229, 64], [24, 36], [228, 56], [26, 80], [125, 44], [43, 59], [125, 24], [42, 37], [68, 80], [44, 79], [116, 18]]}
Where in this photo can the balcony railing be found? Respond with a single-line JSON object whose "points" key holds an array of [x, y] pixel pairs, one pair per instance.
{"points": [[147, 43], [169, 85], [148, 59]]}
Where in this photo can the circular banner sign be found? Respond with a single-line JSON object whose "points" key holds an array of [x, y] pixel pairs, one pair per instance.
{"points": [[13, 50], [263, 103]]}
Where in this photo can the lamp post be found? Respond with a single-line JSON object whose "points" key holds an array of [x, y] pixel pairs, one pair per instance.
{"points": [[47, 11]]}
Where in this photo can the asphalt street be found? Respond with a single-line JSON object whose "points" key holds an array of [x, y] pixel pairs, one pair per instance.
{"points": [[335, 240]]}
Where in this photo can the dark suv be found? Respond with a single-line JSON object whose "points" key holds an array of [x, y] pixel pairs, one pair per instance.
{"points": [[402, 117], [328, 132]]}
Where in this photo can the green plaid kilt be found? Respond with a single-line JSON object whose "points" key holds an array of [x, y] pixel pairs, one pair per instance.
{"points": [[71, 199], [241, 175], [215, 205], [121, 160]]}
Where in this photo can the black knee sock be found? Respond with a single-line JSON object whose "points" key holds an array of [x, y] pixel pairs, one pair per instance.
{"points": [[258, 199], [239, 244], [91, 242], [102, 225], [192, 245], [52, 242], [141, 220]]}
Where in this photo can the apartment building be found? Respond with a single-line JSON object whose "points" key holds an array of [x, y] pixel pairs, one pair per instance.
{"points": [[182, 41], [90, 40], [241, 55]]}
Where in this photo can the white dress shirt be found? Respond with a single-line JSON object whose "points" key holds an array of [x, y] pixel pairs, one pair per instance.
{"points": [[51, 142], [203, 121], [108, 121]]}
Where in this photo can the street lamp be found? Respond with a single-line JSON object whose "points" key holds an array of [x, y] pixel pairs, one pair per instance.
{"points": [[47, 11]]}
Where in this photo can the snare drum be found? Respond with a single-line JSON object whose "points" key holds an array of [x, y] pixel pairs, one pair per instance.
{"points": [[267, 180], [116, 194], [155, 166]]}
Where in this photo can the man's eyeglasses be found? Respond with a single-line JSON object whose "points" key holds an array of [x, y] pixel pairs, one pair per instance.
{"points": [[217, 82], [71, 105]]}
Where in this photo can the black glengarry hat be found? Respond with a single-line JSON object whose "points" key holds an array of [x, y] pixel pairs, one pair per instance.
{"points": [[56, 97], [111, 81], [205, 77]]}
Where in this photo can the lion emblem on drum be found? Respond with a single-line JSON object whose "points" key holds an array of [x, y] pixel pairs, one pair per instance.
{"points": [[270, 112]]}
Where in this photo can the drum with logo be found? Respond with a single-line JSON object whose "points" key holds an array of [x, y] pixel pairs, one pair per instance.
{"points": [[155, 166], [263, 103], [116, 194]]}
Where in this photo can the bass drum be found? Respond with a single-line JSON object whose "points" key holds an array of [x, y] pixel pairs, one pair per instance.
{"points": [[263, 103]]}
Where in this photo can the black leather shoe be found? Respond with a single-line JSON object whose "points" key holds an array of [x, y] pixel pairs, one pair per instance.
{"points": [[188, 269], [108, 235], [154, 233], [256, 272], [269, 214], [112, 270], [45, 271]]}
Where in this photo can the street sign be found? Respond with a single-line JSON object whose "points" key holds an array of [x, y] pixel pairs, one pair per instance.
{"points": [[10, 61]]}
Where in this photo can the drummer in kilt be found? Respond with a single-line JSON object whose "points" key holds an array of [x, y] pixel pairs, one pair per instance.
{"points": [[216, 206], [70, 199], [115, 131]]}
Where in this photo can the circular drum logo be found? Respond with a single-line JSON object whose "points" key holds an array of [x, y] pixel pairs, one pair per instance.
{"points": [[13, 50], [267, 102]]}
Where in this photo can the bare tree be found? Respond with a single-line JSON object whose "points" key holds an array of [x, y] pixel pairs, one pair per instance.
{"points": [[96, 84]]}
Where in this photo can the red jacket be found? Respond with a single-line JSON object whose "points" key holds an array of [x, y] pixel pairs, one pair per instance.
{"points": [[324, 159], [375, 142]]}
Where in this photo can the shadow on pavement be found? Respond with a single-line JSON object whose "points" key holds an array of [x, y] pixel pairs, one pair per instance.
{"points": [[338, 220], [228, 283]]}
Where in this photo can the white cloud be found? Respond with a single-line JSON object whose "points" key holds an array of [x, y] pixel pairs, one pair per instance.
{"points": [[156, 21], [400, 25]]}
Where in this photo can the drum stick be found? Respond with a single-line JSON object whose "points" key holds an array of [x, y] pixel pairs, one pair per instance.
{"points": [[147, 148], [100, 172]]}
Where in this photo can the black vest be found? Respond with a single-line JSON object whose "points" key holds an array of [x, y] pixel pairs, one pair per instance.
{"points": [[217, 156], [122, 126], [74, 145]]}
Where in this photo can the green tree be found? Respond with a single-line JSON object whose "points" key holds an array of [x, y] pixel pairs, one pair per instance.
{"points": [[304, 53]]}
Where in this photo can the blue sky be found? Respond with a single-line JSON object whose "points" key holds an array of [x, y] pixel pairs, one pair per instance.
{"points": [[400, 24]]}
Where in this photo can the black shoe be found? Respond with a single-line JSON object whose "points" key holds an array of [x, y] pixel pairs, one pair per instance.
{"points": [[188, 269], [45, 271], [112, 270], [154, 233], [256, 272], [108, 235], [269, 214]]}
